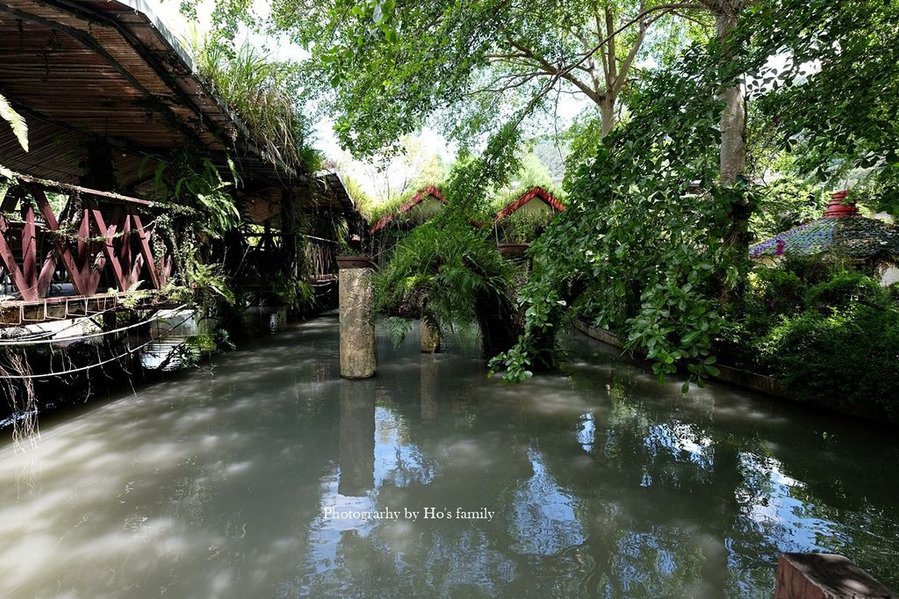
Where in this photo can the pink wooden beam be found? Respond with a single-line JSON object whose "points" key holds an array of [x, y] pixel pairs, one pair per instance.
{"points": [[146, 251], [62, 249], [108, 234], [29, 246]]}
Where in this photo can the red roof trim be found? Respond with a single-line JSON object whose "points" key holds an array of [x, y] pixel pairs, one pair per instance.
{"points": [[418, 198], [535, 192]]}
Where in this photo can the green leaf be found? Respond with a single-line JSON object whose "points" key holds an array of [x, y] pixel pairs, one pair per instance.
{"points": [[15, 120]]}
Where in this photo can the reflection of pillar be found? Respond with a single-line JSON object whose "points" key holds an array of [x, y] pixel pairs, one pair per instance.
{"points": [[428, 373], [357, 331], [357, 439], [430, 337]]}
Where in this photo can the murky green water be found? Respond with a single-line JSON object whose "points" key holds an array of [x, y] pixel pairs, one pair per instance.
{"points": [[272, 477]]}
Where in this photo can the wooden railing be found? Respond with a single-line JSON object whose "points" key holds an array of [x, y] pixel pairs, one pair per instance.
{"points": [[97, 238]]}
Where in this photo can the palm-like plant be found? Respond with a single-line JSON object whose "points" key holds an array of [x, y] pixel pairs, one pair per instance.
{"points": [[448, 272], [15, 120]]}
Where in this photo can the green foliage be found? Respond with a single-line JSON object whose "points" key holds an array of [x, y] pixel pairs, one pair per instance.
{"points": [[262, 94], [522, 226], [208, 281], [785, 203], [202, 209], [196, 348], [15, 120], [193, 185], [584, 138], [362, 200], [834, 100], [829, 332], [448, 271], [397, 329], [638, 251], [879, 193], [438, 272], [850, 355], [393, 205], [385, 68], [843, 290]]}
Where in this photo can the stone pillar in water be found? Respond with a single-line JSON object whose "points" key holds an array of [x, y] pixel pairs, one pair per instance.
{"points": [[357, 331], [430, 337]]}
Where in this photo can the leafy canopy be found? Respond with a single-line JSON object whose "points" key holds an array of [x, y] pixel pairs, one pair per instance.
{"points": [[386, 67]]}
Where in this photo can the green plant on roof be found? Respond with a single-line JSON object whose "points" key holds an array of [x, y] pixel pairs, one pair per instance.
{"points": [[259, 90], [523, 226]]}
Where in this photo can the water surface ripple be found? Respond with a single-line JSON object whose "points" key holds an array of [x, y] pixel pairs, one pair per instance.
{"points": [[269, 476]]}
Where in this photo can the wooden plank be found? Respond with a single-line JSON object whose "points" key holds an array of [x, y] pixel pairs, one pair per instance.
{"points": [[94, 193], [12, 268], [108, 233], [29, 247], [46, 275], [126, 258], [84, 234], [824, 576], [146, 251]]}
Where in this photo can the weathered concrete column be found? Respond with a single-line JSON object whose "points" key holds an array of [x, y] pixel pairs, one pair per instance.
{"points": [[823, 576], [357, 331], [430, 337]]}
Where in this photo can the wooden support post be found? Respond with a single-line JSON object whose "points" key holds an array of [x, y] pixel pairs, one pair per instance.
{"points": [[12, 268], [29, 246], [824, 576]]}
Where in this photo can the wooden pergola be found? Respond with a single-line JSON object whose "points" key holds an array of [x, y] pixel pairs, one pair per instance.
{"points": [[109, 73]]}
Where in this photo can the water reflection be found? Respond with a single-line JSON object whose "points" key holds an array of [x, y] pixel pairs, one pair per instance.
{"points": [[357, 439], [545, 521], [270, 476]]}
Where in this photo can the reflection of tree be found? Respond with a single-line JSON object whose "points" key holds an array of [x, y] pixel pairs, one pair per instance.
{"points": [[614, 486], [543, 519], [746, 458]]}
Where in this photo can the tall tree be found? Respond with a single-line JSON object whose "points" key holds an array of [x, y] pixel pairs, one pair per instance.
{"points": [[389, 65]]}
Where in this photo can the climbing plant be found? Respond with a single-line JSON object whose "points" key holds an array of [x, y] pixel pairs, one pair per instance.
{"points": [[641, 248], [202, 210]]}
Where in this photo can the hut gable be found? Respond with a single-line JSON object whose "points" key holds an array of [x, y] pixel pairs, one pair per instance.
{"points": [[420, 201], [523, 202]]}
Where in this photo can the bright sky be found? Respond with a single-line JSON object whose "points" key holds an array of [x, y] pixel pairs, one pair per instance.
{"points": [[373, 181]]}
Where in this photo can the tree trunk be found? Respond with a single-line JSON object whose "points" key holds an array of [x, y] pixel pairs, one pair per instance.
{"points": [[607, 113], [733, 117], [733, 152]]}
